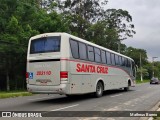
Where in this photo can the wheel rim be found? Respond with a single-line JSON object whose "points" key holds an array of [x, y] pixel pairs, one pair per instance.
{"points": [[99, 89]]}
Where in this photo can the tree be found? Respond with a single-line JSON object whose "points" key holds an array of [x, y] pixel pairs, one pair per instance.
{"points": [[121, 21], [135, 54], [156, 68], [11, 29], [101, 35], [144, 72], [18, 22], [15, 36], [82, 13]]}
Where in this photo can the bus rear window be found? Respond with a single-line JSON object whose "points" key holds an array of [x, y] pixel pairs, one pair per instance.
{"points": [[44, 45]]}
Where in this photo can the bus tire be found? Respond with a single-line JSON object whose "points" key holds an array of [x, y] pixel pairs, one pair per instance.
{"points": [[99, 90], [128, 87], [69, 96]]}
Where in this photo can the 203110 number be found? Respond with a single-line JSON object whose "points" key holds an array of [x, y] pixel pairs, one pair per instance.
{"points": [[44, 73]]}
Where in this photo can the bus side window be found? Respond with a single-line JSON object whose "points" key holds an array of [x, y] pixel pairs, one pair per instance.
{"points": [[74, 48], [97, 54], [129, 63], [123, 61], [90, 53], [83, 51], [126, 62], [103, 54], [120, 60], [113, 58], [117, 59], [108, 55]]}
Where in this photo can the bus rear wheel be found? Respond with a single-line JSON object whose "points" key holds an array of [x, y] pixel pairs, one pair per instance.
{"points": [[99, 90], [128, 87], [70, 96]]}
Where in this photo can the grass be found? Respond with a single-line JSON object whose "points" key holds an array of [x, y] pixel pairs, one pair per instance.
{"points": [[9, 94], [144, 81], [156, 118]]}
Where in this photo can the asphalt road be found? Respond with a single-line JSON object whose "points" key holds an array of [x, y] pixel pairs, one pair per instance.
{"points": [[140, 98]]}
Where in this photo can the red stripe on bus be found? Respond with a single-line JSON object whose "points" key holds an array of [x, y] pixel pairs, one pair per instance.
{"points": [[96, 64], [83, 62]]}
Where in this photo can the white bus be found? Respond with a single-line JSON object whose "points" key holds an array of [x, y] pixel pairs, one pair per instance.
{"points": [[60, 63]]}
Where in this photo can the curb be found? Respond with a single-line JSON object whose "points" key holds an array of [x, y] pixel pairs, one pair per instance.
{"points": [[155, 108]]}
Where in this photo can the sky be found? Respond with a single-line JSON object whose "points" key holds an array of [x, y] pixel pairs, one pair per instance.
{"points": [[146, 18]]}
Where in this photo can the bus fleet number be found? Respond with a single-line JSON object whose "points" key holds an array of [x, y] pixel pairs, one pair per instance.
{"points": [[43, 72]]}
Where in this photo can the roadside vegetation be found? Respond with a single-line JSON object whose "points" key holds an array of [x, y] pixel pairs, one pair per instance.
{"points": [[10, 94], [144, 81], [156, 118]]}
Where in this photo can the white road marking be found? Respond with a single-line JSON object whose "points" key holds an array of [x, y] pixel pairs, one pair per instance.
{"points": [[128, 103], [65, 107], [116, 108], [116, 95], [91, 118], [41, 98], [128, 110]]}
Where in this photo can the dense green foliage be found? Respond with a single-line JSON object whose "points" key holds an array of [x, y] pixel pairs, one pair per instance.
{"points": [[21, 19]]}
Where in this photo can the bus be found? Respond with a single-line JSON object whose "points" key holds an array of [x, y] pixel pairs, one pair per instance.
{"points": [[60, 63]]}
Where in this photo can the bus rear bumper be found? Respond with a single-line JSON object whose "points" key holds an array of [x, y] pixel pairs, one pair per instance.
{"points": [[59, 89]]}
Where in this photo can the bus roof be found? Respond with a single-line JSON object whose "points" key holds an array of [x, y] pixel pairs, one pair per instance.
{"points": [[78, 39]]}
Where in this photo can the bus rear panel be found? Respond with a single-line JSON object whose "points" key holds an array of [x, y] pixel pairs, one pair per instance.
{"points": [[46, 73]]}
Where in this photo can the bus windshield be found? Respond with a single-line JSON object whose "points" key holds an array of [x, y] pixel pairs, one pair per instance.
{"points": [[46, 44]]}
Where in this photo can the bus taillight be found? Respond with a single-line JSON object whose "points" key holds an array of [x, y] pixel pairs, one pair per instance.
{"points": [[27, 74], [63, 74]]}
